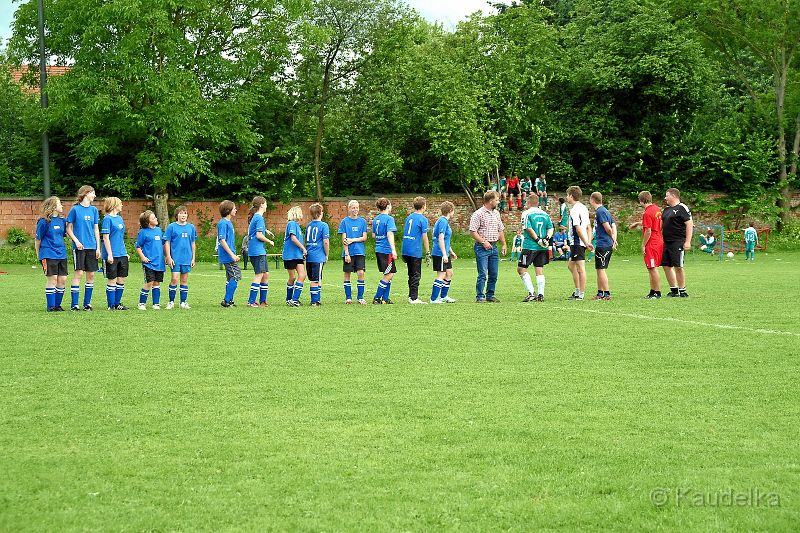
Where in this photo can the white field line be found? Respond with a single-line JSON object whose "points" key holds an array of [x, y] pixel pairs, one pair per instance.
{"points": [[690, 322]]}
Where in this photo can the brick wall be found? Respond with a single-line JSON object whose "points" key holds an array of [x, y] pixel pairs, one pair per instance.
{"points": [[24, 212]]}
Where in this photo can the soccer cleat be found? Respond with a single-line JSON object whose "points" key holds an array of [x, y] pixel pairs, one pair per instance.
{"points": [[437, 301], [262, 304], [389, 302], [448, 300], [111, 308], [573, 296], [529, 298], [58, 308], [253, 305], [607, 298], [87, 307], [377, 301], [141, 307], [653, 297], [672, 295], [292, 303], [362, 301], [184, 305], [480, 300], [51, 309], [348, 301], [316, 304], [683, 294], [225, 303], [170, 305], [598, 297], [416, 302], [120, 307], [492, 299], [156, 307], [540, 297], [74, 308]]}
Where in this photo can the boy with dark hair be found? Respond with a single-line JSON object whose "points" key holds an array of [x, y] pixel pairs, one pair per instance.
{"points": [[442, 254], [150, 248], [317, 245], [415, 236], [384, 228], [180, 251], [83, 228], [606, 239], [226, 251]]}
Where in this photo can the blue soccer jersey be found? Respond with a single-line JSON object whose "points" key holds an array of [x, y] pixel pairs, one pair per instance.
{"points": [[50, 235], [254, 246], [180, 238], [381, 226], [316, 233], [442, 227], [225, 232], [151, 242], [416, 225], [290, 249], [354, 228], [83, 220], [603, 239], [114, 227]]}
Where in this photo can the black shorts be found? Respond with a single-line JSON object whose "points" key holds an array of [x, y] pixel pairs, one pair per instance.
{"points": [[440, 265], [536, 258], [315, 271], [54, 267], [260, 264], [672, 255], [357, 263], [291, 264], [577, 252], [117, 269], [513, 191], [383, 263], [602, 258], [151, 275], [85, 260], [232, 271]]}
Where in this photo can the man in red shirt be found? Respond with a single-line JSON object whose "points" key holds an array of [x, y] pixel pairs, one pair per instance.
{"points": [[652, 242]]}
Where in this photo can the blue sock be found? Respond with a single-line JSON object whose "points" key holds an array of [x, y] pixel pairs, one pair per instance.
{"points": [[437, 289], [50, 297], [348, 291], [75, 294], [445, 288], [59, 296], [381, 290], [361, 285], [254, 287], [264, 290], [388, 290], [298, 290], [143, 296], [172, 290], [289, 292], [120, 290], [315, 293], [184, 293], [88, 289], [111, 294], [230, 289], [157, 295]]}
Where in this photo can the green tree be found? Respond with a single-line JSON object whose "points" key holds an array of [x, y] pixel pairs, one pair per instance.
{"points": [[20, 159]]}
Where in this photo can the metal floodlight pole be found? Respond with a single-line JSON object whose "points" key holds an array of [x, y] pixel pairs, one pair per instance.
{"points": [[43, 100]]}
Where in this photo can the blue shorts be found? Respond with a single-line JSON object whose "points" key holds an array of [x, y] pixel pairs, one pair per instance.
{"points": [[183, 269], [315, 271], [260, 264]]}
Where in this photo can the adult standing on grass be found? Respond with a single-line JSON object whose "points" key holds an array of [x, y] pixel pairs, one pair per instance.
{"points": [[606, 239], [486, 228], [83, 228], [652, 242], [676, 227], [579, 241]]}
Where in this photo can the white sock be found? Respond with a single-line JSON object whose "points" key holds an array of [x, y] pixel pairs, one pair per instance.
{"points": [[526, 279], [540, 283]]}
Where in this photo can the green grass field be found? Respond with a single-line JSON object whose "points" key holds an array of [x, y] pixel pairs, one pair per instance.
{"points": [[677, 415]]}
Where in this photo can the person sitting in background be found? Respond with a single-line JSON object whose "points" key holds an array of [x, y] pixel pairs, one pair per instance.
{"points": [[708, 243], [560, 245]]}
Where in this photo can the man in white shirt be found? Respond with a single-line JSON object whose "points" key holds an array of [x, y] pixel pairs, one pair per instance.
{"points": [[579, 241]]}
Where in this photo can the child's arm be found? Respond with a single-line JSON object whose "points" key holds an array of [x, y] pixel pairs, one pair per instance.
{"points": [[441, 247], [71, 234], [390, 238], [326, 244], [346, 247], [297, 243], [194, 251], [167, 254], [427, 244], [97, 240], [107, 244], [142, 257], [228, 250]]}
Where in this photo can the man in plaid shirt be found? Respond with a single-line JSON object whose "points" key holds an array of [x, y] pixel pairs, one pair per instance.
{"points": [[486, 227]]}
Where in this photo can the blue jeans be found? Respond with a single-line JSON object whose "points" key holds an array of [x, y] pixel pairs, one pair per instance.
{"points": [[488, 262]]}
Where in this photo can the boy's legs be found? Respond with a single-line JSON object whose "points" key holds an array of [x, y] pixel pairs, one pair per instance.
{"points": [[348, 288], [361, 285], [184, 288]]}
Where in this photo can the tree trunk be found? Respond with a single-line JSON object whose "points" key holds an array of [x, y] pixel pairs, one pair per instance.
{"points": [[783, 181], [162, 211], [795, 148], [469, 194], [326, 82]]}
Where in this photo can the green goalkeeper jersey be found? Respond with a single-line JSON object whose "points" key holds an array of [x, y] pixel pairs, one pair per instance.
{"points": [[540, 223], [750, 235]]}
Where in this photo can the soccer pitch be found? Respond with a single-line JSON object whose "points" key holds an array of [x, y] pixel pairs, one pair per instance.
{"points": [[678, 414]]}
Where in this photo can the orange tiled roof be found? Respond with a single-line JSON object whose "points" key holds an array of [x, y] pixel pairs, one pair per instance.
{"points": [[52, 70]]}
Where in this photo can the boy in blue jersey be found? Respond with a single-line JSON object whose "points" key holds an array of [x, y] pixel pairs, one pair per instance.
{"points": [[256, 239], [318, 237], [83, 228], [51, 251], [294, 253], [441, 253], [226, 251], [114, 253], [560, 245], [415, 236], [150, 248], [384, 228], [353, 230], [180, 251], [605, 231]]}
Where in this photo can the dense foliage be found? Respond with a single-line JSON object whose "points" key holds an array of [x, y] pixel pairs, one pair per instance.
{"points": [[291, 98]]}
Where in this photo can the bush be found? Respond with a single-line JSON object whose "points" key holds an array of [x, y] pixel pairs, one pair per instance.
{"points": [[17, 236], [17, 255]]}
